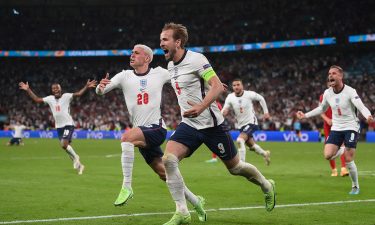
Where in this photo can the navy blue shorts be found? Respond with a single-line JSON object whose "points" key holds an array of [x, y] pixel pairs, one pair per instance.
{"points": [[65, 132], [348, 137], [249, 129], [16, 141], [155, 136], [216, 139]]}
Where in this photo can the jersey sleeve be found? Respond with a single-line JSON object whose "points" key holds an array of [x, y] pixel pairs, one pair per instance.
{"points": [[205, 69], [69, 96], [47, 99], [321, 108], [115, 83], [257, 97], [165, 76], [357, 102]]}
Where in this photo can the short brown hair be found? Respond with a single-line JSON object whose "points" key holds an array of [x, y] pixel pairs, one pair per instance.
{"points": [[179, 32], [237, 79], [338, 68]]}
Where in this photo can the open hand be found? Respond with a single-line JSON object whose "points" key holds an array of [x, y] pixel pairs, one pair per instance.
{"points": [[300, 115], [24, 86], [91, 83], [194, 111]]}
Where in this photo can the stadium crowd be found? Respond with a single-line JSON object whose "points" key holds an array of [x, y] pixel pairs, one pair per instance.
{"points": [[210, 23], [288, 81]]}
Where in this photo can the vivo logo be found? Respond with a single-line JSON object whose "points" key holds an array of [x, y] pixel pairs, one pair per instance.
{"points": [[260, 136], [45, 134], [290, 137], [94, 135]]}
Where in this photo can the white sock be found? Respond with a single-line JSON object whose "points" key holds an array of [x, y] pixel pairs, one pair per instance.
{"points": [[72, 154], [338, 153], [175, 182], [190, 196], [241, 149], [251, 173], [259, 150], [127, 160], [353, 173]]}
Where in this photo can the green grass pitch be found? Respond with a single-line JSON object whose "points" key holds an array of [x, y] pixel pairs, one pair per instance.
{"points": [[37, 182]]}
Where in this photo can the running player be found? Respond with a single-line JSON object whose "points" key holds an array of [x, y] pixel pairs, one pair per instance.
{"points": [[142, 89], [344, 102], [197, 87], [60, 107], [241, 102]]}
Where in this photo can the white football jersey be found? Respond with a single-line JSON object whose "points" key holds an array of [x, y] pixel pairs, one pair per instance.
{"points": [[186, 78], [243, 108], [60, 109], [142, 94], [18, 131], [344, 108]]}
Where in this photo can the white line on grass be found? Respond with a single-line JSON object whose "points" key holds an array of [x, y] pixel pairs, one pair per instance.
{"points": [[366, 173], [167, 213]]}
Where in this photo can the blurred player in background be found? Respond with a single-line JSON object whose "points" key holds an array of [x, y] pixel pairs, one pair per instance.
{"points": [[18, 134], [344, 102], [241, 102], [142, 89], [197, 87], [60, 107], [327, 117]]}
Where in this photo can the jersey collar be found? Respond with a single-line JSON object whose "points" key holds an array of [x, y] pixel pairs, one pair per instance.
{"points": [[339, 90], [182, 58], [142, 74], [240, 94]]}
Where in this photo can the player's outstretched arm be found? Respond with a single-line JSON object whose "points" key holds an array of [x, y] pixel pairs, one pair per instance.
{"points": [[357, 102], [214, 92], [26, 87], [107, 85], [89, 84], [300, 115]]}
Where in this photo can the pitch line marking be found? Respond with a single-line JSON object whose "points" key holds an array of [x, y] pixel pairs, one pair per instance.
{"points": [[169, 213]]}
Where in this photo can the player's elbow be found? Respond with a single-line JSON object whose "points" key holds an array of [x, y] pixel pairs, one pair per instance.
{"points": [[38, 100]]}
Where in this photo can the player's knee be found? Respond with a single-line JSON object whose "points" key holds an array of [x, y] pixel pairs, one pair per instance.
{"points": [[328, 156], [170, 160], [240, 140], [64, 145], [125, 138], [236, 170], [162, 175]]}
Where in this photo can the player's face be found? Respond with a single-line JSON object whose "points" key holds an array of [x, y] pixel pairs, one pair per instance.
{"points": [[138, 57], [334, 77], [56, 90], [237, 87], [168, 44]]}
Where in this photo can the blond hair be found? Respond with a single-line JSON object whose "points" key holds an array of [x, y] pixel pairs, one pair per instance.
{"points": [[147, 50]]}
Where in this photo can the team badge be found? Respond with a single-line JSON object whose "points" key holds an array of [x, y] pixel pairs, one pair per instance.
{"points": [[143, 84]]}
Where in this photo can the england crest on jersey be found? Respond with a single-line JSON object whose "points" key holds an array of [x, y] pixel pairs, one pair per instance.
{"points": [[143, 84]]}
